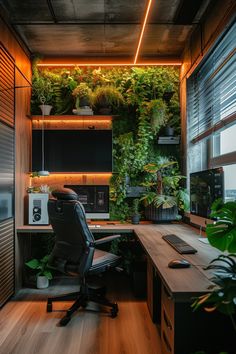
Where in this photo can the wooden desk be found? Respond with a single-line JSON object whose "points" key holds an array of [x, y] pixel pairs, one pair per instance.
{"points": [[170, 291], [181, 282]]}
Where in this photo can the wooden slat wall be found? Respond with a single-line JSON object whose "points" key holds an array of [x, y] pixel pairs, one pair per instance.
{"points": [[7, 83], [21, 105], [7, 167], [7, 275]]}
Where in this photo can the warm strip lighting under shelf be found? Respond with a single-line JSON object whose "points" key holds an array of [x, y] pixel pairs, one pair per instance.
{"points": [[79, 121], [157, 63], [142, 31], [73, 174]]}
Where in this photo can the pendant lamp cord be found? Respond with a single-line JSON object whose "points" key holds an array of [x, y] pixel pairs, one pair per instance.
{"points": [[42, 99]]}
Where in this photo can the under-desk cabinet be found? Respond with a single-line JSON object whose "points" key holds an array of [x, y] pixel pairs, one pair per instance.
{"points": [[182, 330]]}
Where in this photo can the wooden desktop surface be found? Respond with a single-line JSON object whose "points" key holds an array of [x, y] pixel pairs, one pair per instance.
{"points": [[181, 283]]}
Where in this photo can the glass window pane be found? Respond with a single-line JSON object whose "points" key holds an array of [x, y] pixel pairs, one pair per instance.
{"points": [[225, 142], [230, 182]]}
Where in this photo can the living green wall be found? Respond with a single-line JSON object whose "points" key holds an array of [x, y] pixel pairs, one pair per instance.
{"points": [[136, 124]]}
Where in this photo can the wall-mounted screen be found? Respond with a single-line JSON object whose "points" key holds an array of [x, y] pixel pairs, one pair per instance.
{"points": [[205, 187], [73, 150]]}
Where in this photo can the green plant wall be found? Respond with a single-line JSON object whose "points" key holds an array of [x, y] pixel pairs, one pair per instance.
{"points": [[136, 123]]}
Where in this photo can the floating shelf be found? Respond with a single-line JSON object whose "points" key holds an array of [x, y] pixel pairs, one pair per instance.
{"points": [[100, 122]]}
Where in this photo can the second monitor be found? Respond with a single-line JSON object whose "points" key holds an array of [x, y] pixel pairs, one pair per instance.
{"points": [[95, 200]]}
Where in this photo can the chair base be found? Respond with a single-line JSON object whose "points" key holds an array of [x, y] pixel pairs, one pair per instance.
{"points": [[82, 298]]}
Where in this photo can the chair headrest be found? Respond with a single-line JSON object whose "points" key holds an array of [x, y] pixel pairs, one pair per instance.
{"points": [[65, 194]]}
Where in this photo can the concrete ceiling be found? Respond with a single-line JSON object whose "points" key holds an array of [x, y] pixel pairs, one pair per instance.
{"points": [[104, 28]]}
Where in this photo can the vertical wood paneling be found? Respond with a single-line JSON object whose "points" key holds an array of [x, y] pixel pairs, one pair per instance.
{"points": [[6, 260], [17, 101], [7, 167], [7, 83]]}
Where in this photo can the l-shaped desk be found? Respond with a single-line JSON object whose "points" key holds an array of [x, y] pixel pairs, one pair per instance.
{"points": [[170, 291]]}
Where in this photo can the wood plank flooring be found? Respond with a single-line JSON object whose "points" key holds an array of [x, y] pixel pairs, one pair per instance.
{"points": [[26, 327]]}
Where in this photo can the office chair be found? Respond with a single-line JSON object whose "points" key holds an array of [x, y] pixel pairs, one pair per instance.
{"points": [[74, 252]]}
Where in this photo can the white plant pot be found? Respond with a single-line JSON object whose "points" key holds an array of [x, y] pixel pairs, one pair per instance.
{"points": [[46, 109], [42, 282]]}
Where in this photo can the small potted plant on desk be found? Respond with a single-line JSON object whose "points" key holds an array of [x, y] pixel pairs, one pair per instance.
{"points": [[135, 216], [164, 195], [43, 272], [222, 235]]}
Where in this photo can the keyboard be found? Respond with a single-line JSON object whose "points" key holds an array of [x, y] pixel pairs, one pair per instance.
{"points": [[178, 244]]}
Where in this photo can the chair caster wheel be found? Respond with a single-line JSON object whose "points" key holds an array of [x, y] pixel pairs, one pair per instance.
{"points": [[49, 307], [115, 307], [63, 322], [114, 311]]}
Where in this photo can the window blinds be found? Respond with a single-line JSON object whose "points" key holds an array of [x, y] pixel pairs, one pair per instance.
{"points": [[211, 90]]}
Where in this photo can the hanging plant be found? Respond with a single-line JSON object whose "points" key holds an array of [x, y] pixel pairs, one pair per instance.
{"points": [[157, 110]]}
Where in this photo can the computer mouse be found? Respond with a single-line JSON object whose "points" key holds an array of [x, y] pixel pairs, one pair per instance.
{"points": [[179, 263]]}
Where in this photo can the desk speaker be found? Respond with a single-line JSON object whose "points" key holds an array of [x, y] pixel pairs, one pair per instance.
{"points": [[38, 209]]}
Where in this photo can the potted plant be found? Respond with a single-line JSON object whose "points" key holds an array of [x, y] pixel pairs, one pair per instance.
{"points": [[168, 92], [164, 195], [135, 215], [83, 95], [157, 110], [44, 273], [42, 93], [107, 98], [222, 235]]}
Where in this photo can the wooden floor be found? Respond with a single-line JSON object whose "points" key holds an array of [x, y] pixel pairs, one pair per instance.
{"points": [[26, 327]]}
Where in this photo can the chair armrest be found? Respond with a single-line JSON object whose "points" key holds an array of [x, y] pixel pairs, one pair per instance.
{"points": [[106, 239]]}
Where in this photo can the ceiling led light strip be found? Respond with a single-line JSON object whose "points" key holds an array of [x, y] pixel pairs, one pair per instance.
{"points": [[142, 31], [157, 63]]}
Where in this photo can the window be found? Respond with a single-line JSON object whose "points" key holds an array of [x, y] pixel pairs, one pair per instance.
{"points": [[211, 111]]}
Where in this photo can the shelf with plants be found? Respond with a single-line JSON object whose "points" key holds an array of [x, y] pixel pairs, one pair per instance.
{"points": [[139, 113]]}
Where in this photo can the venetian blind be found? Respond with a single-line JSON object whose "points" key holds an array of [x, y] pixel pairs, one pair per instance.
{"points": [[211, 90]]}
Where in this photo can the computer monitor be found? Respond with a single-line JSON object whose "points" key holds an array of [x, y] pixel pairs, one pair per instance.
{"points": [[205, 187]]}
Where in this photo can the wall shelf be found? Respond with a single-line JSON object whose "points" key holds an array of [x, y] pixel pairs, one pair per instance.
{"points": [[99, 122]]}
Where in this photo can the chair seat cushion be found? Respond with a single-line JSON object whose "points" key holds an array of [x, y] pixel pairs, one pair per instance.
{"points": [[103, 260]]}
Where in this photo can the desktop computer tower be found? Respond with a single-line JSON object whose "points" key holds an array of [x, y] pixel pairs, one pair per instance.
{"points": [[38, 209]]}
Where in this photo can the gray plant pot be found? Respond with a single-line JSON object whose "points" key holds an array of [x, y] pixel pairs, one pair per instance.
{"points": [[169, 131], [159, 214], [135, 219]]}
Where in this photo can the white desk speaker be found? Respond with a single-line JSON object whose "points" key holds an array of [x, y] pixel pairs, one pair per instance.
{"points": [[38, 209]]}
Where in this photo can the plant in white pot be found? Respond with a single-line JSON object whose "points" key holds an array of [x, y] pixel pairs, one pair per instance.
{"points": [[83, 96], [164, 195], [43, 272], [42, 93]]}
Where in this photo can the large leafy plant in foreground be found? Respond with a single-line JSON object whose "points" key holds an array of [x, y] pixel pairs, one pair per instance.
{"points": [[222, 235]]}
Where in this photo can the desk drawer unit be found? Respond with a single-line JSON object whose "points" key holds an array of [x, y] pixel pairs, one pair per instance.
{"points": [[167, 322]]}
